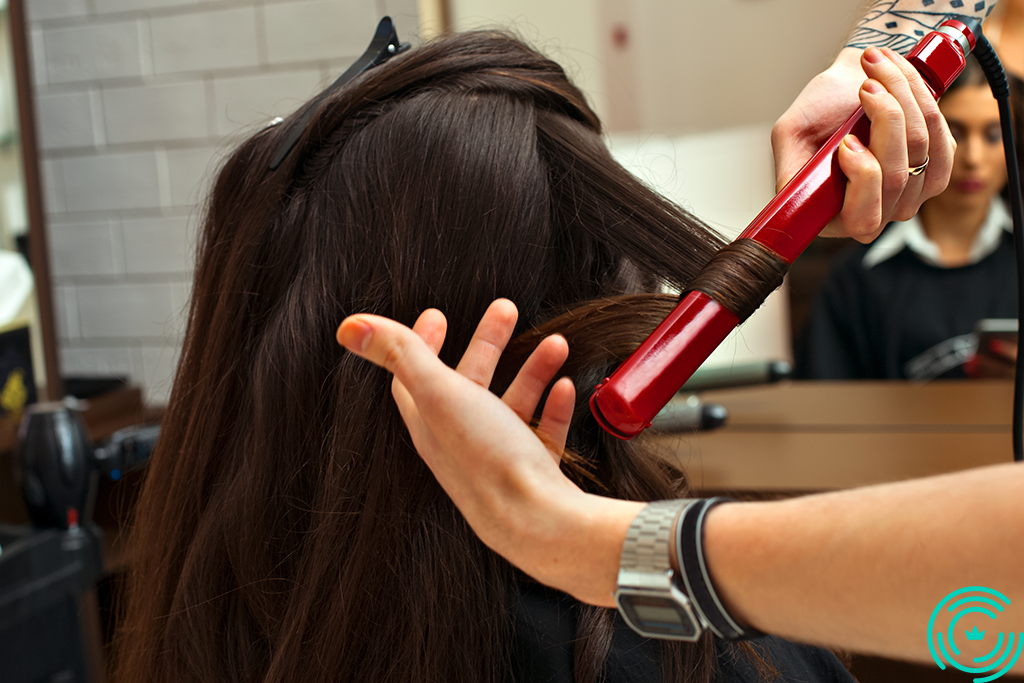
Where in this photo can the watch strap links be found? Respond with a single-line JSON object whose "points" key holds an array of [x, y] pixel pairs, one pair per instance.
{"points": [[645, 552]]}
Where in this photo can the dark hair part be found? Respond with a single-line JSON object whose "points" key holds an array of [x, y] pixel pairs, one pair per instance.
{"points": [[288, 531]]}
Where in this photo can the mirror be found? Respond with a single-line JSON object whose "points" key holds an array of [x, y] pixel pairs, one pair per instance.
{"points": [[26, 319]]}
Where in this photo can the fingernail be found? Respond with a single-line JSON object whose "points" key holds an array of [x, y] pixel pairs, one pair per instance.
{"points": [[854, 144], [873, 87], [874, 55], [890, 54], [355, 335]]}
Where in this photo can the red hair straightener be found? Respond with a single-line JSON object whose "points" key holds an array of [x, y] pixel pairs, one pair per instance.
{"points": [[753, 265]]}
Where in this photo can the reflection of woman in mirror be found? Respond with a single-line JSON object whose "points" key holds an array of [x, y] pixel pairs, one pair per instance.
{"points": [[288, 530], [905, 306]]}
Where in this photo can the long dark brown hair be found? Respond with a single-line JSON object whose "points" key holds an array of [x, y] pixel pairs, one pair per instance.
{"points": [[288, 531]]}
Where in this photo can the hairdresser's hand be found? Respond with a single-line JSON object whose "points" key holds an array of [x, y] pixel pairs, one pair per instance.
{"points": [[502, 475], [906, 129]]}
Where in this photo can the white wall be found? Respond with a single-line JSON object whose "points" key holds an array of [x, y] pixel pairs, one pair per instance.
{"points": [[568, 31], [685, 65], [711, 65], [135, 100]]}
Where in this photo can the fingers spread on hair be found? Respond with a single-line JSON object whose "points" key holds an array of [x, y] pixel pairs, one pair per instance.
{"points": [[431, 326], [392, 346], [557, 416], [524, 393], [419, 430], [488, 342], [862, 207]]}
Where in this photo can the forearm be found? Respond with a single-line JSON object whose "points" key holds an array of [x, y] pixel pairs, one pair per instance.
{"points": [[907, 128], [899, 24], [863, 569]]}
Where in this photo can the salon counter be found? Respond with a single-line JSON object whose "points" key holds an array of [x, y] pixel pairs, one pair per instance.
{"points": [[800, 437], [814, 436]]}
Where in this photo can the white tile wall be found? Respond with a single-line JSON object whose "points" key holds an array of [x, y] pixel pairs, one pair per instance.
{"points": [[296, 31], [138, 102], [244, 101], [94, 51], [65, 120], [158, 366], [111, 182], [65, 301], [158, 245], [108, 6], [37, 49], [100, 360], [36, 10], [154, 113], [205, 41], [127, 310], [404, 12], [52, 171], [191, 173], [85, 249]]}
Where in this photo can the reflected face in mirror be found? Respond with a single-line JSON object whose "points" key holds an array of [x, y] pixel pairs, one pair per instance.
{"points": [[979, 167]]}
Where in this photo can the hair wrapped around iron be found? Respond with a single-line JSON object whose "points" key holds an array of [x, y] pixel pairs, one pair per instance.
{"points": [[287, 530]]}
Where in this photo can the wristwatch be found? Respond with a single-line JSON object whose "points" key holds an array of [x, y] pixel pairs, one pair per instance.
{"points": [[654, 601], [648, 596]]}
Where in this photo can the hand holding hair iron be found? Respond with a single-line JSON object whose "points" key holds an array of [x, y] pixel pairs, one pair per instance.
{"points": [[625, 403]]}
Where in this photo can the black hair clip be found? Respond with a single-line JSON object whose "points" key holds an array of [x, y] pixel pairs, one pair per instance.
{"points": [[383, 46]]}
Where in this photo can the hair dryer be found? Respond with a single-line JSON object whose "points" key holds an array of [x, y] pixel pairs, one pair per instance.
{"points": [[738, 279], [57, 463]]}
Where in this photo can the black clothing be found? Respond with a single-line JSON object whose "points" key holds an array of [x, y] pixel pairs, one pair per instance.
{"points": [[904, 318], [545, 628]]}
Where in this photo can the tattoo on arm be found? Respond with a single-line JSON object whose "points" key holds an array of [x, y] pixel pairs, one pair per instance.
{"points": [[899, 24]]}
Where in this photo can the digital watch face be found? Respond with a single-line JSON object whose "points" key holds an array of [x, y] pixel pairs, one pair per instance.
{"points": [[657, 616]]}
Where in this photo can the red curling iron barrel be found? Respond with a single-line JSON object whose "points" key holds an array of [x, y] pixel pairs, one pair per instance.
{"points": [[625, 403]]}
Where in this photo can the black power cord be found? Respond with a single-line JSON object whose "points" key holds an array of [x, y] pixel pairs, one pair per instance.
{"points": [[986, 56]]}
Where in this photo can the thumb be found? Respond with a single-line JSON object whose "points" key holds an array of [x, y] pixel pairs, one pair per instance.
{"points": [[790, 151], [392, 346]]}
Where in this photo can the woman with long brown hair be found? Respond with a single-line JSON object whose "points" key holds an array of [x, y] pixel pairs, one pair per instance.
{"points": [[288, 530]]}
